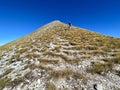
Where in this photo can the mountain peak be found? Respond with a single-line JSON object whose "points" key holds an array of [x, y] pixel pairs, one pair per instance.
{"points": [[61, 58], [55, 22]]}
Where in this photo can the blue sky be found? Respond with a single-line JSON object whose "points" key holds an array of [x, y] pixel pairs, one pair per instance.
{"points": [[20, 17]]}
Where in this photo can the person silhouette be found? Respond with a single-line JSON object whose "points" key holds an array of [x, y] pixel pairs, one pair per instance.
{"points": [[69, 25]]}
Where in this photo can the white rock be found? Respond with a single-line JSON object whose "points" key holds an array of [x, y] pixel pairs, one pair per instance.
{"points": [[18, 88], [38, 81], [99, 87], [37, 62], [52, 46]]}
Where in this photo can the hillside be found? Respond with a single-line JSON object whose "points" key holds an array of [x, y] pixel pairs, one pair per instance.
{"points": [[55, 57]]}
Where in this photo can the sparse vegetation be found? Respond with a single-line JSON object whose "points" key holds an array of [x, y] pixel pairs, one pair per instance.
{"points": [[57, 48], [42, 66], [6, 72], [11, 60], [51, 54], [85, 57], [117, 89], [21, 51], [28, 56], [100, 67], [63, 88], [28, 75], [117, 73], [60, 73], [64, 57], [98, 52], [73, 43], [32, 55], [18, 74], [106, 48], [50, 86], [16, 82], [31, 66], [35, 50], [71, 47], [77, 47], [45, 60], [57, 74], [4, 82], [78, 75], [14, 58], [90, 47], [115, 59]]}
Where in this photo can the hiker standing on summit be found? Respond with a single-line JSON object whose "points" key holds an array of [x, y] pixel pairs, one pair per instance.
{"points": [[69, 25]]}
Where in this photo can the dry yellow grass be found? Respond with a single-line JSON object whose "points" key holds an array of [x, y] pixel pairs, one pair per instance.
{"points": [[66, 73], [6, 72], [84, 44], [50, 86], [16, 82], [75, 36], [46, 60], [100, 68], [4, 82]]}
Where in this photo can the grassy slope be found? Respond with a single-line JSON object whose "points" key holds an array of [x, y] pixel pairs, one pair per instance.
{"points": [[75, 35], [86, 42], [78, 37]]}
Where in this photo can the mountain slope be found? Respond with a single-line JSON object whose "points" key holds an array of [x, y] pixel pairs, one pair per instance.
{"points": [[55, 57]]}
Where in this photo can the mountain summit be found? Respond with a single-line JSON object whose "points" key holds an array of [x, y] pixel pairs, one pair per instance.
{"points": [[56, 57]]}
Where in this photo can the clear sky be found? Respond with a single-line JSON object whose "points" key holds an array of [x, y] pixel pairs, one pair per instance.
{"points": [[20, 17]]}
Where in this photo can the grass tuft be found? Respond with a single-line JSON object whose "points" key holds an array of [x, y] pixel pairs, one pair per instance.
{"points": [[16, 82], [100, 67], [50, 86], [57, 74], [6, 72], [45, 60], [4, 82]]}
